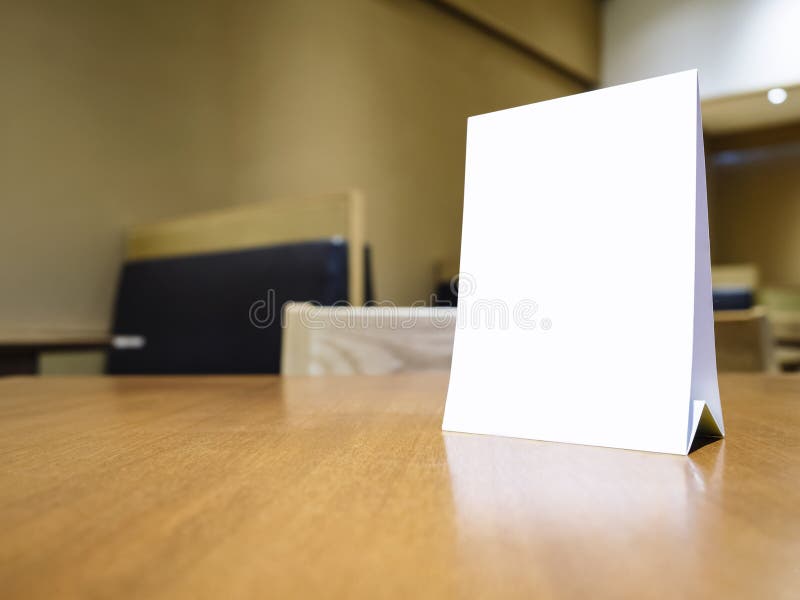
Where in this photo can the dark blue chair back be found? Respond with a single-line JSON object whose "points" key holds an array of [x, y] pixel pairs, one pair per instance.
{"points": [[218, 313]]}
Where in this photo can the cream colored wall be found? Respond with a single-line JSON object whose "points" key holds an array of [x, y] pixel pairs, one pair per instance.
{"points": [[756, 212], [373, 94], [739, 46], [116, 113], [111, 113]]}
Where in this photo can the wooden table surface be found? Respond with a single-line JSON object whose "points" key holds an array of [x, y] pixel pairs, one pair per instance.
{"points": [[256, 487]]}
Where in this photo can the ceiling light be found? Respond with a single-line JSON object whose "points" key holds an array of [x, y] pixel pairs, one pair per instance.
{"points": [[777, 95]]}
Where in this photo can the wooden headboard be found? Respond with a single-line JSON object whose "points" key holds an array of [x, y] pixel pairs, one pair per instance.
{"points": [[258, 224]]}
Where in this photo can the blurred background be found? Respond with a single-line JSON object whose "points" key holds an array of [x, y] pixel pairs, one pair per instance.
{"points": [[150, 151]]}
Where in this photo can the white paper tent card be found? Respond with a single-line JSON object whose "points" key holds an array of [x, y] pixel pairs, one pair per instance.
{"points": [[585, 311]]}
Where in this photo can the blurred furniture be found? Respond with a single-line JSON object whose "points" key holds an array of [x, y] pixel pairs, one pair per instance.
{"points": [[743, 340], [754, 337], [783, 310], [218, 312], [732, 298], [734, 286], [339, 215], [20, 351], [786, 327], [192, 287], [374, 340], [346, 487], [445, 278], [788, 358]]}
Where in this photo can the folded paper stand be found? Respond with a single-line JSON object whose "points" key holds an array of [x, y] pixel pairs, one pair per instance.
{"points": [[585, 312]]}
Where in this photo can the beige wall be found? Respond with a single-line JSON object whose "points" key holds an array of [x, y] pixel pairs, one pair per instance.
{"points": [[111, 113], [373, 94], [755, 212], [115, 113], [565, 31]]}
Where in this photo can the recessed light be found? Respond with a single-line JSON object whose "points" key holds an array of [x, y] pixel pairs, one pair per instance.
{"points": [[777, 95]]}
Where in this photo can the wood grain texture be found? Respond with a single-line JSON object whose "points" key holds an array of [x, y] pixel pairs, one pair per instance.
{"points": [[375, 340], [259, 487]]}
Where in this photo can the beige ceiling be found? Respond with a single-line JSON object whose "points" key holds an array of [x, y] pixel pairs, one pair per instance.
{"points": [[749, 111]]}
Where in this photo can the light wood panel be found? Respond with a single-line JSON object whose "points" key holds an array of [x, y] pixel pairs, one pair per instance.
{"points": [[743, 275], [377, 340], [253, 487], [259, 224]]}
